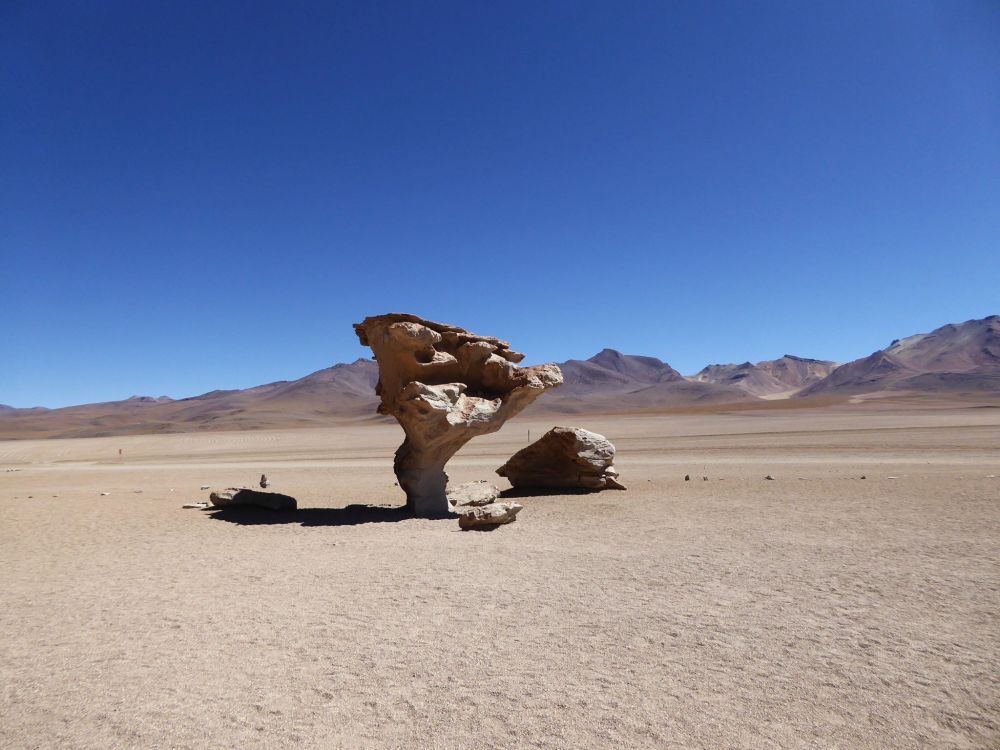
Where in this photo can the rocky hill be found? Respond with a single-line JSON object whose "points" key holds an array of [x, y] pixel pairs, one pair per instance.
{"points": [[960, 357], [771, 378]]}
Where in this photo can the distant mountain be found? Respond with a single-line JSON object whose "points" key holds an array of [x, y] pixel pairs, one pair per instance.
{"points": [[608, 382], [611, 381], [769, 378], [953, 359], [345, 391], [962, 357]]}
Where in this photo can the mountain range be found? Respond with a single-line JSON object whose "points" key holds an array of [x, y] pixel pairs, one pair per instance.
{"points": [[954, 360]]}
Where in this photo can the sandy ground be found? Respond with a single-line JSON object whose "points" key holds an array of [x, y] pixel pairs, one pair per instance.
{"points": [[817, 610]]}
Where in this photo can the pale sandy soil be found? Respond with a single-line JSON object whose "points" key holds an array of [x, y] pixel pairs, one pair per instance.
{"points": [[818, 610]]}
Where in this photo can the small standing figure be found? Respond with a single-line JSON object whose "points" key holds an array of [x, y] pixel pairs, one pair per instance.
{"points": [[263, 481]]}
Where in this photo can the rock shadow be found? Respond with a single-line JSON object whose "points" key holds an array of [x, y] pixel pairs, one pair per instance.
{"points": [[351, 515], [515, 492]]}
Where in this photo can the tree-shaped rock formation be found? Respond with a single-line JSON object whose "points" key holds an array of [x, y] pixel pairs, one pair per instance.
{"points": [[444, 386]]}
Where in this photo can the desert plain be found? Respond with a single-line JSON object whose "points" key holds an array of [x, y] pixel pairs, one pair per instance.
{"points": [[819, 609]]}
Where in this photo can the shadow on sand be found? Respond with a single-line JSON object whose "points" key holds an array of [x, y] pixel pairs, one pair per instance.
{"points": [[352, 515], [514, 492]]}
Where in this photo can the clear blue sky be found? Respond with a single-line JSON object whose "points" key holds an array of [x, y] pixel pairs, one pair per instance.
{"points": [[200, 195]]}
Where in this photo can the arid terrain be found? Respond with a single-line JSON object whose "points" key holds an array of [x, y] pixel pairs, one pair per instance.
{"points": [[816, 610]]}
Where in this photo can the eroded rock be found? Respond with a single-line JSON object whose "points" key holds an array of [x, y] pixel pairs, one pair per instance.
{"points": [[473, 493], [493, 514], [444, 386], [269, 500], [564, 458]]}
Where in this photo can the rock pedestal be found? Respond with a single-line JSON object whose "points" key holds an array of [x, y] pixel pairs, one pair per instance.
{"points": [[564, 458], [444, 386]]}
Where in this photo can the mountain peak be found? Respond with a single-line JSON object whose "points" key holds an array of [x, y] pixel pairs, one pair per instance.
{"points": [[606, 354], [641, 369]]}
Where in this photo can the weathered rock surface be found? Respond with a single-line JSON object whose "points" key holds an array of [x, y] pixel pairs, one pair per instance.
{"points": [[493, 514], [269, 500], [564, 458], [444, 386], [473, 493]]}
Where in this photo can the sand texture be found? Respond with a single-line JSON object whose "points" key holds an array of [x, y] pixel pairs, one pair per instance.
{"points": [[818, 610]]}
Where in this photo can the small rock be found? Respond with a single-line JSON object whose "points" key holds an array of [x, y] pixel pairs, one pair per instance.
{"points": [[195, 505], [892, 477], [137, 492], [473, 493], [769, 477], [704, 479], [263, 481], [206, 486], [493, 514], [863, 476], [105, 494], [687, 477]]}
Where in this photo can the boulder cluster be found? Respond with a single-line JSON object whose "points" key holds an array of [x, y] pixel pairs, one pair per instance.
{"points": [[445, 385]]}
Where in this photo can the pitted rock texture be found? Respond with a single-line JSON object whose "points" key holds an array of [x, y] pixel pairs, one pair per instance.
{"points": [[444, 386], [564, 458]]}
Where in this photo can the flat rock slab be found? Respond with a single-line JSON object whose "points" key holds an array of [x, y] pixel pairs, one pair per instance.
{"points": [[473, 493], [493, 514], [235, 496]]}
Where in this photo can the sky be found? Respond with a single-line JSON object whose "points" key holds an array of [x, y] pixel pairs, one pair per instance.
{"points": [[207, 195]]}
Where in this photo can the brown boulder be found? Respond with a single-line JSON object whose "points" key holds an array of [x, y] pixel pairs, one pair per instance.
{"points": [[564, 458]]}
